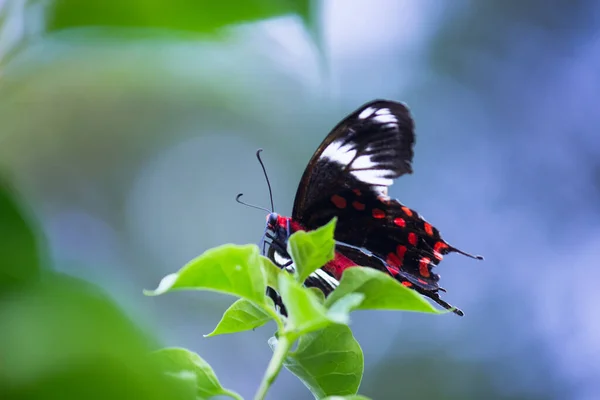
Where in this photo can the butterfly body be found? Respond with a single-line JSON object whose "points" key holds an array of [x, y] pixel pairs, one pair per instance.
{"points": [[348, 178], [283, 227]]}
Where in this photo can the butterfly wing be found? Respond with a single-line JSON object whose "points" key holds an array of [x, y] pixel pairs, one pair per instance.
{"points": [[348, 177], [370, 147], [368, 259]]}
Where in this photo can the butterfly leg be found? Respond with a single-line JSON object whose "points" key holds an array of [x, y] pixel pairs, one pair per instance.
{"points": [[277, 301], [276, 245]]}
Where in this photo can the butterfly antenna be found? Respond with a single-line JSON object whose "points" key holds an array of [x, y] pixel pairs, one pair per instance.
{"points": [[266, 178], [237, 198]]}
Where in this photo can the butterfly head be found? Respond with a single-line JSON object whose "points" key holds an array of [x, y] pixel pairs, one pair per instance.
{"points": [[278, 227], [272, 221], [275, 228], [279, 224]]}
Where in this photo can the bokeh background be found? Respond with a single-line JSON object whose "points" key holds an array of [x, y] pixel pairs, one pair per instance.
{"points": [[128, 127]]}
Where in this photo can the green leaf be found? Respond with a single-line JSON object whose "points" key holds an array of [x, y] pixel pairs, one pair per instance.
{"points": [[21, 254], [340, 310], [271, 272], [382, 292], [313, 249], [184, 365], [329, 362], [351, 397], [305, 312], [243, 315], [319, 293], [230, 269], [186, 15]]}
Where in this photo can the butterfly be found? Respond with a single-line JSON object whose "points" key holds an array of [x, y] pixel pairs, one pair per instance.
{"points": [[348, 177]]}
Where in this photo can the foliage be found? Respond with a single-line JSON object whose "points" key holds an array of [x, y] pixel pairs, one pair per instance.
{"points": [[138, 19], [19, 249], [62, 337], [190, 15], [327, 359]]}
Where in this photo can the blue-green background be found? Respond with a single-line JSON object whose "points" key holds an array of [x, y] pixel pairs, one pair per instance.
{"points": [[128, 127]]}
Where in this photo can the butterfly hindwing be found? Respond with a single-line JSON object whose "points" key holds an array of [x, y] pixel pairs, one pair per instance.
{"points": [[408, 245], [367, 259]]}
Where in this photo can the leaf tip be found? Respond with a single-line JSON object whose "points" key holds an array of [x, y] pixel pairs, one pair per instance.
{"points": [[165, 284]]}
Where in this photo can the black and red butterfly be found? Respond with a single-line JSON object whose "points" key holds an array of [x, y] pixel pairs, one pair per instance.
{"points": [[348, 178]]}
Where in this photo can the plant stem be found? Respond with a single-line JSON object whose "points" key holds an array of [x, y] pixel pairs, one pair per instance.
{"points": [[232, 394], [276, 317], [284, 343]]}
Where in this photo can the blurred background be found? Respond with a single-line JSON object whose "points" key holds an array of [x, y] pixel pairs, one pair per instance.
{"points": [[128, 127]]}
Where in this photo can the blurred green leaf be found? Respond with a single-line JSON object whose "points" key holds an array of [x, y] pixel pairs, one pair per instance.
{"points": [[243, 315], [329, 362], [311, 250], [382, 292], [204, 16], [189, 367], [231, 269], [351, 397], [62, 338], [20, 254]]}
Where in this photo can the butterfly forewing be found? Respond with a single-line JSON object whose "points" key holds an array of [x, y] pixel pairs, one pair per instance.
{"points": [[372, 146]]}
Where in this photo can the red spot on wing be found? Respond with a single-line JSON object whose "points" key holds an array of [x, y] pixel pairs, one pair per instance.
{"points": [[439, 246], [424, 267], [338, 265], [422, 282], [358, 205], [428, 229], [407, 283], [412, 238], [400, 222], [338, 201], [357, 192], [393, 260], [437, 249], [392, 270], [377, 213], [407, 211], [401, 251]]}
